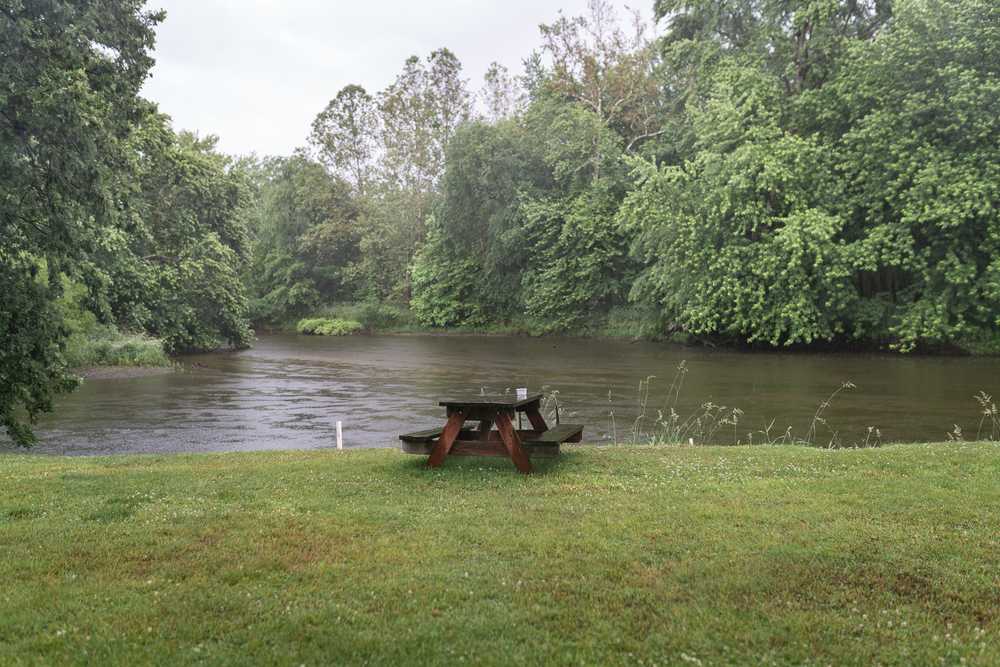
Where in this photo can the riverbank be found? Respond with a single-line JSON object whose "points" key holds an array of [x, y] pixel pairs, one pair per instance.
{"points": [[620, 323], [616, 555]]}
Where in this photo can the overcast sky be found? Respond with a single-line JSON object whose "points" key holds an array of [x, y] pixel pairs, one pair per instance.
{"points": [[256, 72]]}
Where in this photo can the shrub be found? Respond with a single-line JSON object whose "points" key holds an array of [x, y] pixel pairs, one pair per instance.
{"points": [[320, 326], [106, 346], [372, 315]]}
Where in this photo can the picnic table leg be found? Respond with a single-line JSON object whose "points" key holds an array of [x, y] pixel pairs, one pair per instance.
{"points": [[484, 429], [447, 439], [513, 442], [536, 419]]}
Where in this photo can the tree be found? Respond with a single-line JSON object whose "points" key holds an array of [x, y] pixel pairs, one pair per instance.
{"points": [[802, 42], [607, 71], [854, 204], [346, 136], [418, 115], [500, 95], [919, 141], [70, 75], [306, 245], [470, 269], [174, 267], [420, 111]]}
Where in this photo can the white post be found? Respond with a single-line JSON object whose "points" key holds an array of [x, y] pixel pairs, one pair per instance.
{"points": [[340, 436]]}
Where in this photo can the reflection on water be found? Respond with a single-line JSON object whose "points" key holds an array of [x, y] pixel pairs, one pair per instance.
{"points": [[289, 391]]}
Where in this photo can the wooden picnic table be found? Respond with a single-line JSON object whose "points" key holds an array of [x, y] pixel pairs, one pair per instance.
{"points": [[519, 444]]}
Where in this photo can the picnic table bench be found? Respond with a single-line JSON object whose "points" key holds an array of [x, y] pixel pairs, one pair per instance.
{"points": [[483, 440]]}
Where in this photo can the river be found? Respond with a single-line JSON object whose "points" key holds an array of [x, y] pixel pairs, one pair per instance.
{"points": [[288, 392]]}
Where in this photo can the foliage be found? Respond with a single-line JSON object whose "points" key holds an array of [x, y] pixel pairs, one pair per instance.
{"points": [[798, 172], [874, 225], [372, 315], [91, 343], [346, 134], [328, 327], [391, 148], [70, 74], [921, 153], [174, 269], [306, 232], [607, 71], [469, 269], [106, 346]]}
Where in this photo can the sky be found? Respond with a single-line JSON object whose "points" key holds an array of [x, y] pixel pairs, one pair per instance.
{"points": [[256, 72]]}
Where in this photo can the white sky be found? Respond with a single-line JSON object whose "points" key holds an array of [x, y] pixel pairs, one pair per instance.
{"points": [[256, 72]]}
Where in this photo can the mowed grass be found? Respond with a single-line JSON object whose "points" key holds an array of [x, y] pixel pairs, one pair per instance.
{"points": [[645, 555]]}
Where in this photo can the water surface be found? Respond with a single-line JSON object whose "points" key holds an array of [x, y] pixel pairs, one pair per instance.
{"points": [[289, 391]]}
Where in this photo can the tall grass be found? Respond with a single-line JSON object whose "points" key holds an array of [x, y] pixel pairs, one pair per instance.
{"points": [[716, 424], [712, 423], [106, 346]]}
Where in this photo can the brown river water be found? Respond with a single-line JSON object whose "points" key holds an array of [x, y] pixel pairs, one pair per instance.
{"points": [[288, 392]]}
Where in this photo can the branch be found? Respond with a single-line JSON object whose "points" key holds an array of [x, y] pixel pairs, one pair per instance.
{"points": [[648, 135]]}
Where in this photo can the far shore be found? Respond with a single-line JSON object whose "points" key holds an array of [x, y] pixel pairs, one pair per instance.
{"points": [[122, 372]]}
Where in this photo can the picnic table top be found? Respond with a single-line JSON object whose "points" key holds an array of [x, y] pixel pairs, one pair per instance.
{"points": [[491, 402]]}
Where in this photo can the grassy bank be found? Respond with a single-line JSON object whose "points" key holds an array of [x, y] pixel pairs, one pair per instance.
{"points": [[108, 347], [702, 556], [92, 344], [622, 322]]}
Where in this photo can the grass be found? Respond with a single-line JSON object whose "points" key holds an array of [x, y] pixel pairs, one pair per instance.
{"points": [[106, 346], [625, 322], [617, 555]]}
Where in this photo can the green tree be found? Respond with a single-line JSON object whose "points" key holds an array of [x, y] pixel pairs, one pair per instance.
{"points": [[470, 269], [307, 239], [346, 136], [174, 265], [852, 203], [918, 137], [70, 74]]}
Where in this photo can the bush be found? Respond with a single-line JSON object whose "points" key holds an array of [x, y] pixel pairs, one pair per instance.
{"points": [[321, 326], [106, 346], [372, 315]]}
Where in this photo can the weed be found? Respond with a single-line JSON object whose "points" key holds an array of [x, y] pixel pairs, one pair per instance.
{"points": [[818, 417], [989, 418]]}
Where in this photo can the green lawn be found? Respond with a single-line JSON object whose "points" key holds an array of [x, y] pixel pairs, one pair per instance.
{"points": [[645, 555]]}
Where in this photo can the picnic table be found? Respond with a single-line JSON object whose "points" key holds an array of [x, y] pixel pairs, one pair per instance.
{"points": [[483, 440]]}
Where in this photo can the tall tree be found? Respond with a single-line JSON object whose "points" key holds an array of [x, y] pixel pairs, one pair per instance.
{"points": [[420, 112], [306, 239], [70, 74], [175, 266], [346, 136], [607, 70], [500, 95]]}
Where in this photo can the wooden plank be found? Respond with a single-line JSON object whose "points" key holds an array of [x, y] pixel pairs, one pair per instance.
{"points": [[513, 442], [562, 433], [421, 436], [478, 413], [495, 402], [448, 436], [463, 447]]}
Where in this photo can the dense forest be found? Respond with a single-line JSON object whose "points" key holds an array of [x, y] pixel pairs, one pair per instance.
{"points": [[771, 172]]}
